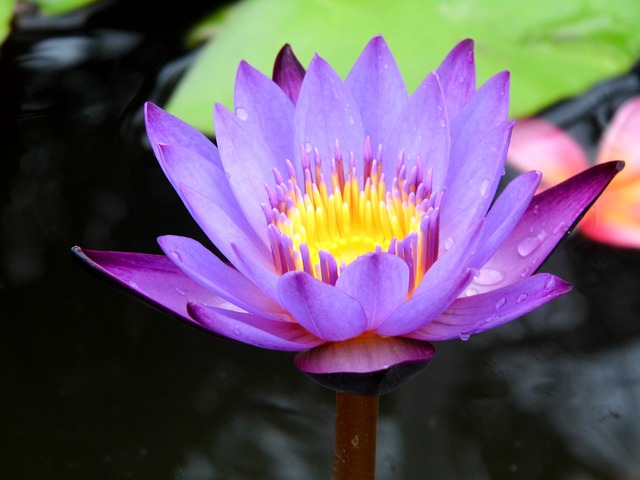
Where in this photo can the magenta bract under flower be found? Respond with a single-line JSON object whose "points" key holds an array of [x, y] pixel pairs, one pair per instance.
{"points": [[358, 222]]}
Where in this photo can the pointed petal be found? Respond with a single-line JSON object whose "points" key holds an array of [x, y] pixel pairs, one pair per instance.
{"points": [[457, 74], [537, 144], [248, 163], [363, 354], [547, 219], [478, 313], [208, 270], [422, 135], [324, 310], [261, 104], [378, 89], [326, 112], [252, 329], [152, 278], [379, 281], [505, 214], [425, 307], [223, 231], [164, 128], [288, 72], [471, 190]]}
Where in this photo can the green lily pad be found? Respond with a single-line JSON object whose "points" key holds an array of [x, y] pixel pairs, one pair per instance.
{"points": [[553, 49]]}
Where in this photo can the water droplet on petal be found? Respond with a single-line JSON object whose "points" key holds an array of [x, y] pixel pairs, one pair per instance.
{"points": [[524, 271], [351, 120], [133, 284], [500, 303], [448, 243], [443, 123], [236, 331], [308, 147], [551, 283], [522, 297], [536, 209], [386, 66], [529, 245], [464, 336], [241, 113], [489, 276], [484, 186], [559, 228], [180, 291]]}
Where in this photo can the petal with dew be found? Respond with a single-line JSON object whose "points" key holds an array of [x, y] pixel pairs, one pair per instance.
{"points": [[261, 104], [457, 74], [325, 112], [420, 135], [478, 313], [377, 86], [537, 144], [253, 329], [152, 278], [288, 72], [379, 281], [248, 163], [207, 269], [324, 310], [162, 127], [547, 219]]}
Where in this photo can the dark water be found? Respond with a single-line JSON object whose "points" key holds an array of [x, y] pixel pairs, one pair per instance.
{"points": [[96, 385]]}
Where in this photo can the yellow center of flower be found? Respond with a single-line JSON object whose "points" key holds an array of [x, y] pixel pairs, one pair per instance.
{"points": [[321, 231]]}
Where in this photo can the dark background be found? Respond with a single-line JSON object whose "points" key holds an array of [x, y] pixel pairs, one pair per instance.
{"points": [[97, 385]]}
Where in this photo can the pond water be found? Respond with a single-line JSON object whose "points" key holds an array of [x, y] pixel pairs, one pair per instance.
{"points": [[98, 385]]}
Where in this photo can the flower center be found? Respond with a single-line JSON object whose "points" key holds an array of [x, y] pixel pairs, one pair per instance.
{"points": [[321, 231]]}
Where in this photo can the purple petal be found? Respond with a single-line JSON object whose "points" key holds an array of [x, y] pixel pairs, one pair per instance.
{"points": [[457, 74], [326, 112], [248, 163], [363, 354], [208, 270], [252, 329], [505, 214], [549, 216], [224, 232], [379, 281], [152, 278], [261, 104], [424, 308], [324, 310], [378, 89], [475, 314], [185, 167], [164, 128], [288, 72], [421, 130]]}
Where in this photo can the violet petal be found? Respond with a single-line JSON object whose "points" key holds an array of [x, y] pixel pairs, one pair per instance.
{"points": [[457, 74], [379, 281], [252, 329], [377, 86], [324, 310], [475, 314]]}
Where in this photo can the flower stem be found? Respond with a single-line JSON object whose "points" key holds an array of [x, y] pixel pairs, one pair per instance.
{"points": [[354, 455]]}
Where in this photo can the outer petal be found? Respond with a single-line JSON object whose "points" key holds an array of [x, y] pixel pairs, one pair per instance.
{"points": [[379, 281], [549, 216], [421, 135], [185, 167], [288, 72], [363, 354], [152, 278], [505, 214], [162, 127], [457, 74], [248, 162], [208, 270], [475, 314], [539, 145], [324, 310], [262, 104], [252, 329], [377, 86], [326, 111]]}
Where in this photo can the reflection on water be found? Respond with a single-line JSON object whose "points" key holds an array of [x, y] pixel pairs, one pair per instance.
{"points": [[96, 385]]}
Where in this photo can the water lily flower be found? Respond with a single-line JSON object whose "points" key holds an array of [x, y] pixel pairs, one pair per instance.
{"points": [[615, 217], [357, 222]]}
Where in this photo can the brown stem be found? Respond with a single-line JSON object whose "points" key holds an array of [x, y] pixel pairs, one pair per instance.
{"points": [[354, 455]]}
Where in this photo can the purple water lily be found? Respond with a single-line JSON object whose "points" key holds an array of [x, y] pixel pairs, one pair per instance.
{"points": [[358, 222]]}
